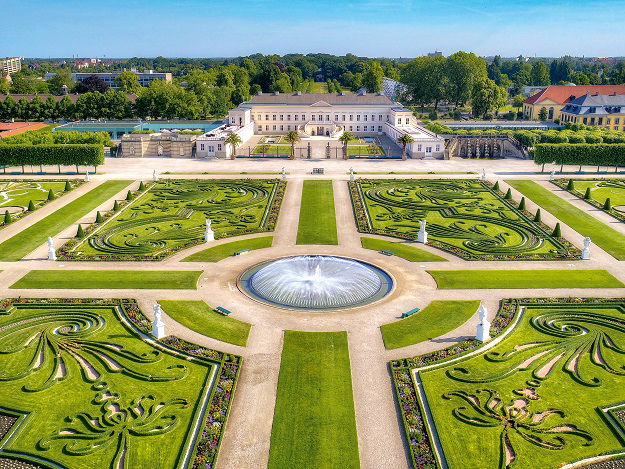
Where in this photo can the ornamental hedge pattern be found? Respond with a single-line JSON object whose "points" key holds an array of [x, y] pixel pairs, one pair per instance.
{"points": [[598, 154], [63, 155], [531, 390], [124, 401], [469, 218], [600, 190], [170, 215]]}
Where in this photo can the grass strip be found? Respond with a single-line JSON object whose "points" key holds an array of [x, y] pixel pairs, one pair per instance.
{"points": [[314, 423], [26, 241], [400, 249], [109, 279], [317, 218], [222, 251], [608, 239], [201, 318], [438, 318], [502, 279]]}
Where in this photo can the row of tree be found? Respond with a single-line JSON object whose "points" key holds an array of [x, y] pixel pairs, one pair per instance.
{"points": [[62, 155], [580, 154]]}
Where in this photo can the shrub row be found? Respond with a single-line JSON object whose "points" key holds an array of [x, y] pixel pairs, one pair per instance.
{"points": [[63, 155], [47, 137], [580, 154]]}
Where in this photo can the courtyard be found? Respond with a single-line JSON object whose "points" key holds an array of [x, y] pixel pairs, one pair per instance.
{"points": [[396, 381]]}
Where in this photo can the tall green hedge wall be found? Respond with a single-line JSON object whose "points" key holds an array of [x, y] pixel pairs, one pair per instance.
{"points": [[64, 155], [580, 153]]}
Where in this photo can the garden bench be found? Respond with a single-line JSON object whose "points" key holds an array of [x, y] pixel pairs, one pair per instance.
{"points": [[387, 253], [242, 251], [223, 311], [410, 313], [318, 171]]}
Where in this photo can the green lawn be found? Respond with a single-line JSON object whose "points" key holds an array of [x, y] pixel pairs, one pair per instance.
{"points": [[273, 150], [26, 241], [360, 150], [601, 234], [438, 318], [317, 219], [501, 279], [109, 279], [600, 191], [222, 251], [314, 425], [198, 316], [405, 251]]}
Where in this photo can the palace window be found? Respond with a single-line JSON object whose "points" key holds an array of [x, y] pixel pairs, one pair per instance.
{"points": [[617, 121], [274, 117], [211, 149], [372, 117], [365, 128], [313, 118], [438, 148], [201, 147], [288, 127], [379, 128], [328, 117], [336, 117], [281, 117], [274, 127], [295, 116], [380, 117], [419, 147], [357, 128], [266, 117], [343, 117], [350, 128], [260, 128], [303, 117], [219, 147], [357, 117], [281, 127], [267, 128], [351, 117], [365, 117], [288, 117]]}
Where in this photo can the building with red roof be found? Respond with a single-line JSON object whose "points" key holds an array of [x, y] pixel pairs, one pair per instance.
{"points": [[554, 98]]}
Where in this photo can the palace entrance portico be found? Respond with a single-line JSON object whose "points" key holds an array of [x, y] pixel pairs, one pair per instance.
{"points": [[318, 129]]}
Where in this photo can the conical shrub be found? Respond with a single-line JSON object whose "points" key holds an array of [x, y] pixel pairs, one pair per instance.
{"points": [[141, 186], [496, 186], [508, 195], [537, 217], [31, 206], [68, 186], [98, 217], [587, 194], [51, 195], [522, 204], [557, 233], [570, 186], [116, 206], [7, 218], [80, 233], [607, 205], [129, 196]]}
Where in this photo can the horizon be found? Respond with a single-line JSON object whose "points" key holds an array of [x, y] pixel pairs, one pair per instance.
{"points": [[337, 28]]}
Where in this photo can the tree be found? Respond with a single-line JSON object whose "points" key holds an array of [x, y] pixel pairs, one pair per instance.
{"points": [[518, 101], [543, 114], [372, 78], [487, 97], [292, 137], [234, 141], [4, 86], [404, 140], [128, 82], [92, 83], [426, 80], [463, 70], [345, 139], [540, 75], [61, 78]]}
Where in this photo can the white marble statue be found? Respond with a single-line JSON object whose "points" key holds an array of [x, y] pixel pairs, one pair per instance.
{"points": [[51, 250], [209, 234], [483, 328], [158, 326], [155, 175], [552, 175], [87, 178], [423, 235], [283, 172], [586, 250], [484, 174], [351, 174]]}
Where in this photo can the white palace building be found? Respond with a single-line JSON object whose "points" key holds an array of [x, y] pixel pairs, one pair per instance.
{"points": [[322, 116]]}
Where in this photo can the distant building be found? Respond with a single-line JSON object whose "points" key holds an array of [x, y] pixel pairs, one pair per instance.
{"points": [[11, 64], [554, 98], [435, 54], [145, 78], [392, 88], [531, 90], [596, 110]]}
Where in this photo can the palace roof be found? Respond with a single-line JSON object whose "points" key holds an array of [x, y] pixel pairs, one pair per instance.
{"points": [[563, 94], [332, 99]]}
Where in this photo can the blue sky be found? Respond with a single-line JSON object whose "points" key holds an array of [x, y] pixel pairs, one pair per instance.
{"points": [[381, 28]]}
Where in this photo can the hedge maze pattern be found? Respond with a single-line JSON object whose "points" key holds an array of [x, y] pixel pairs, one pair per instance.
{"points": [[99, 396], [465, 217], [171, 216], [597, 191], [535, 391]]}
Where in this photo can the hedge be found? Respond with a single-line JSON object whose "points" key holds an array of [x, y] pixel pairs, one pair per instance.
{"points": [[64, 155], [580, 154]]}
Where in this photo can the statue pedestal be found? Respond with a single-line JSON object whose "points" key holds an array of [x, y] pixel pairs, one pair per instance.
{"points": [[158, 329], [483, 331], [209, 235], [585, 254], [51, 255], [423, 237]]}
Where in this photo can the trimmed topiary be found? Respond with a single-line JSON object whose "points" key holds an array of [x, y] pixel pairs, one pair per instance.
{"points": [[587, 194], [31, 206], [522, 204], [98, 217], [508, 195], [570, 186], [129, 196], [116, 206], [607, 205], [557, 233], [537, 217], [7, 218], [141, 186], [68, 186], [51, 195], [80, 233], [496, 186]]}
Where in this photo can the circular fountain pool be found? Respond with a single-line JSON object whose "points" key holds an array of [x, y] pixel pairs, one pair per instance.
{"points": [[316, 282]]}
